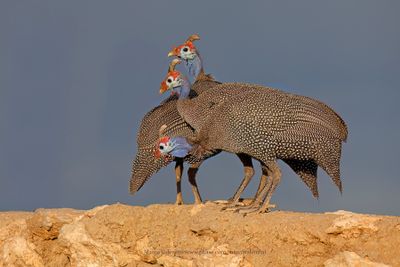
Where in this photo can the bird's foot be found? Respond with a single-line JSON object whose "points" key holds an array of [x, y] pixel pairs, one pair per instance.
{"points": [[255, 208], [267, 208], [179, 201], [220, 201], [198, 202], [235, 204], [248, 209]]}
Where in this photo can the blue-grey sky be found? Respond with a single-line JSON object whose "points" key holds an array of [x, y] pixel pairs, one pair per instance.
{"points": [[76, 77]]}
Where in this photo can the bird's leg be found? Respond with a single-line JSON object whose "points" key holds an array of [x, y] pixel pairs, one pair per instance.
{"points": [[258, 200], [248, 174], [272, 171], [192, 180], [178, 175], [276, 180], [263, 182]]}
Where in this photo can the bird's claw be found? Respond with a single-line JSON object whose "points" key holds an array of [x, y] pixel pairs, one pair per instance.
{"points": [[233, 206], [267, 209], [255, 208], [220, 201], [179, 200]]}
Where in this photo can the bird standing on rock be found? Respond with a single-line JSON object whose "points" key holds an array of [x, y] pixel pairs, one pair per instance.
{"points": [[306, 169], [145, 164], [267, 125]]}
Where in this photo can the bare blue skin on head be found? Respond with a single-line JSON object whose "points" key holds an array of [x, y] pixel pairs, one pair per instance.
{"points": [[183, 90], [193, 66], [177, 147]]}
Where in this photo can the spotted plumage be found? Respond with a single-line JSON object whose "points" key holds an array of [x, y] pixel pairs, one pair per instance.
{"points": [[267, 124], [145, 164], [147, 138], [306, 169]]}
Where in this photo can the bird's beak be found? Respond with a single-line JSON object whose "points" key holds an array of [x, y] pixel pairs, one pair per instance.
{"points": [[172, 52], [163, 87]]}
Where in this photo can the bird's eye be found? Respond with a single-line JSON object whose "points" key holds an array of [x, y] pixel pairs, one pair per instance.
{"points": [[169, 80], [161, 147], [185, 49]]}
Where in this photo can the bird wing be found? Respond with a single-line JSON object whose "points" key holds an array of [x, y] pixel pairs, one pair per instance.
{"points": [[275, 112], [197, 111]]}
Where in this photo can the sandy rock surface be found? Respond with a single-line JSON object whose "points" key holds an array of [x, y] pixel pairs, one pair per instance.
{"points": [[202, 235]]}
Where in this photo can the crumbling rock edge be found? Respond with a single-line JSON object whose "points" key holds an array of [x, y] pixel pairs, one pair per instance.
{"points": [[190, 235]]}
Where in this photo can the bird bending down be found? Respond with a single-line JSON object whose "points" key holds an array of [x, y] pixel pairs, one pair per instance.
{"points": [[267, 125], [305, 169], [145, 165], [194, 65]]}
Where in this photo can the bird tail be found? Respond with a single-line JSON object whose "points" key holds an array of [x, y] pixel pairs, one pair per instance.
{"points": [[307, 170], [329, 161]]}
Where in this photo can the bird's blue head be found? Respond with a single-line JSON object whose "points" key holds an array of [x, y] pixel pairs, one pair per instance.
{"points": [[190, 55], [175, 81], [172, 146]]}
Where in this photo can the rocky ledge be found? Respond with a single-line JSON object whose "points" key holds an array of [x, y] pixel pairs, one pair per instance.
{"points": [[202, 235]]}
